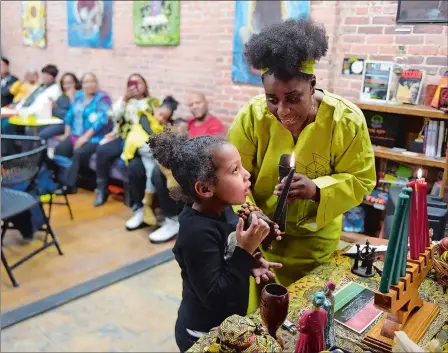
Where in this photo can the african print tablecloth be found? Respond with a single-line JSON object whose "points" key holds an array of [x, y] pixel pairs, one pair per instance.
{"points": [[338, 270]]}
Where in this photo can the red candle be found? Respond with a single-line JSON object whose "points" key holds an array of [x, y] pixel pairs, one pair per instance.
{"points": [[422, 212], [413, 225]]}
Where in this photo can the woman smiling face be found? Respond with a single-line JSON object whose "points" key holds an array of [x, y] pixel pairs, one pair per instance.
{"points": [[291, 102]]}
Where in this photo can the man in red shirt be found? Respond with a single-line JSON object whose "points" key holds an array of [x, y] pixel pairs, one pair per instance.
{"points": [[202, 123]]}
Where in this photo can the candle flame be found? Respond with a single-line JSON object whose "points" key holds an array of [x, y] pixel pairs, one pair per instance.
{"points": [[419, 173], [292, 163]]}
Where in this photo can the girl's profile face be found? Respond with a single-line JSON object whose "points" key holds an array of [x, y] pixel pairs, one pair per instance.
{"points": [[163, 114], [233, 183]]}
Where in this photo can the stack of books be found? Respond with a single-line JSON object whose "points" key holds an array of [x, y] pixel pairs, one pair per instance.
{"points": [[435, 141]]}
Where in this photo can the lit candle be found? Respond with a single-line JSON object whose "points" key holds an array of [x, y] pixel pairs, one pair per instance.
{"points": [[284, 195], [413, 245]]}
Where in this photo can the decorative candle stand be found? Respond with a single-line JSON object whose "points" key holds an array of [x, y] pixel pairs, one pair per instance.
{"points": [[407, 311]]}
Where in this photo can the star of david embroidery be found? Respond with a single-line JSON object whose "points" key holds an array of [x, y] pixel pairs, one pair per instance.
{"points": [[320, 166]]}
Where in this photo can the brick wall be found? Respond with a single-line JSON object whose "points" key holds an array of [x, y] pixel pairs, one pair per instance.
{"points": [[203, 60]]}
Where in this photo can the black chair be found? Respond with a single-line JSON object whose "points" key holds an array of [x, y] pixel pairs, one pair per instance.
{"points": [[22, 169]]}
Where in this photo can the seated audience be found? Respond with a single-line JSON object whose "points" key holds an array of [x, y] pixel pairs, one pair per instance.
{"points": [[49, 89], [69, 85], [202, 123], [126, 112], [142, 164], [85, 126], [6, 82], [22, 90]]}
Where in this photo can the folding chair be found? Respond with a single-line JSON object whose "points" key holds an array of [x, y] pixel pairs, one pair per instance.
{"points": [[21, 170]]}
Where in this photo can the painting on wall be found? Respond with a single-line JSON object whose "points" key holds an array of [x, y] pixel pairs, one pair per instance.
{"points": [[90, 23], [156, 22], [422, 12], [250, 18], [34, 26]]}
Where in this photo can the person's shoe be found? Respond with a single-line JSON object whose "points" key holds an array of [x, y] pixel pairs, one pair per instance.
{"points": [[149, 217], [136, 220], [165, 233], [102, 193]]}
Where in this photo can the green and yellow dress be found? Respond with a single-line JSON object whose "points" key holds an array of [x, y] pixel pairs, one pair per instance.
{"points": [[334, 151]]}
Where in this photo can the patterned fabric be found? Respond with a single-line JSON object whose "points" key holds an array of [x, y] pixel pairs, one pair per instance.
{"points": [[82, 115], [239, 334], [338, 270]]}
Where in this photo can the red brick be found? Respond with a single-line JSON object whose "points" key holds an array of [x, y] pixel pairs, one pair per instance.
{"points": [[356, 21], [436, 39], [411, 39], [362, 10], [389, 49], [436, 29], [423, 50], [370, 30], [382, 57], [383, 20], [437, 60], [415, 60], [375, 9], [443, 51], [393, 30], [364, 49], [390, 9], [353, 39], [347, 29], [377, 40]]}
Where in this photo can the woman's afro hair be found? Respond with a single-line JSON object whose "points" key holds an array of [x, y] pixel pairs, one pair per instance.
{"points": [[284, 46]]}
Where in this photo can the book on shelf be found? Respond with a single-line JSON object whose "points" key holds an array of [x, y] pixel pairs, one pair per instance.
{"points": [[435, 139], [409, 86]]}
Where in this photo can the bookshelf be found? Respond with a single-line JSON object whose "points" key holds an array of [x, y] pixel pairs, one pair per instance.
{"points": [[413, 115]]}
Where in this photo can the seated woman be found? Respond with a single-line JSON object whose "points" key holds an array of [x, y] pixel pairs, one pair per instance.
{"points": [[126, 113], [21, 90], [69, 84], [141, 162], [85, 126]]}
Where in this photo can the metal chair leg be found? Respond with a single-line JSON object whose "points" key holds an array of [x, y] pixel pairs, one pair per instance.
{"points": [[49, 231], [68, 205], [8, 271]]}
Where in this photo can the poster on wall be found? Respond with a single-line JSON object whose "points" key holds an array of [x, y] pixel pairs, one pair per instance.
{"points": [[90, 23], [156, 22], [250, 18], [34, 26], [376, 81]]}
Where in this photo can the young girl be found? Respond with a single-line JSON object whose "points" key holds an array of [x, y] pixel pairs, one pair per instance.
{"points": [[215, 264]]}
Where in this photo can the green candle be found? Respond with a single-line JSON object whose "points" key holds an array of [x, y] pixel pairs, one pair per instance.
{"points": [[401, 250], [391, 256], [407, 191]]}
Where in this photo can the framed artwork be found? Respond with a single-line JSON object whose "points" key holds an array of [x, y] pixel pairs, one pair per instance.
{"points": [[34, 24], [90, 23], [422, 11], [376, 81], [156, 22], [251, 16]]}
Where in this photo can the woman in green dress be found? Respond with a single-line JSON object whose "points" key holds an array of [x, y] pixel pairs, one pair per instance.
{"points": [[335, 164]]}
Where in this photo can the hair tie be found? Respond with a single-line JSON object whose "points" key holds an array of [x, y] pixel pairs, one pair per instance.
{"points": [[307, 67]]}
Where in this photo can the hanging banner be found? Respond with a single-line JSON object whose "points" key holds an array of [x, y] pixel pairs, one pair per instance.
{"points": [[34, 26]]}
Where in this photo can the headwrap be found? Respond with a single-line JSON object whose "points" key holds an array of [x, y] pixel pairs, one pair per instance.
{"points": [[307, 67]]}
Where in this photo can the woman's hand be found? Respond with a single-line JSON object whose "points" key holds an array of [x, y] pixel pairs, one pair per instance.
{"points": [[262, 269], [80, 142], [301, 188], [250, 239], [131, 92], [107, 138]]}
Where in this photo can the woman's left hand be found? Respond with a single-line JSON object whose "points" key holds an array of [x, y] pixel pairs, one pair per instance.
{"points": [[80, 142], [301, 188], [262, 270]]}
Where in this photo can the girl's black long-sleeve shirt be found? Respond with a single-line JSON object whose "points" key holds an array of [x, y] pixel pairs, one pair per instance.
{"points": [[215, 286]]}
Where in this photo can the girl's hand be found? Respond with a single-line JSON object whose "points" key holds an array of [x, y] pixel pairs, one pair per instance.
{"points": [[262, 268], [131, 92], [250, 239], [301, 188]]}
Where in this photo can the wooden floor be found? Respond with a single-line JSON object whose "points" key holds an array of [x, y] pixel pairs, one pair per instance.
{"points": [[94, 243]]}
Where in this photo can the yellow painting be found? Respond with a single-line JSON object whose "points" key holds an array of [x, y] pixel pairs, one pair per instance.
{"points": [[34, 23]]}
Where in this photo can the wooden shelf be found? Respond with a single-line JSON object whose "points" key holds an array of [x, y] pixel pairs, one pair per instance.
{"points": [[403, 109], [419, 159]]}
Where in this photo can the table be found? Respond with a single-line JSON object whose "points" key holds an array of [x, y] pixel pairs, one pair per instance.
{"points": [[338, 270], [33, 121]]}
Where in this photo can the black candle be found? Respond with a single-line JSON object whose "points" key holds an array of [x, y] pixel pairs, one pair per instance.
{"points": [[282, 200]]}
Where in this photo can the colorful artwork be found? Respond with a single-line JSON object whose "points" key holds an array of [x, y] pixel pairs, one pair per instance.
{"points": [[156, 22], [90, 23], [250, 18], [34, 23]]}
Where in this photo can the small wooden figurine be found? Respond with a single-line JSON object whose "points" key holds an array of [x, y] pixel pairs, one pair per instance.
{"points": [[245, 212], [330, 337], [367, 257], [311, 326]]}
